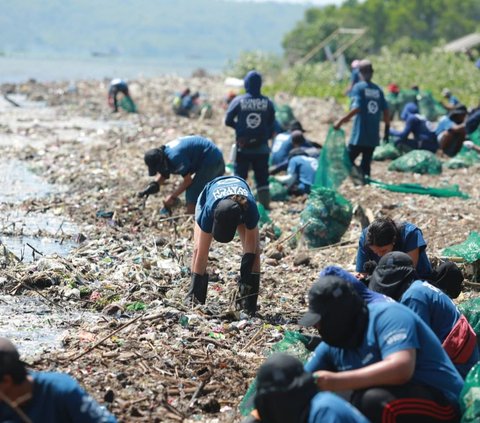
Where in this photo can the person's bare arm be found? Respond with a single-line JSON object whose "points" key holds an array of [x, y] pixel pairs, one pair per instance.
{"points": [[414, 255], [187, 181], [395, 369], [201, 246], [346, 118]]}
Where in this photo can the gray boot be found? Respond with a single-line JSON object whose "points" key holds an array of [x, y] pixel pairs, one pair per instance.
{"points": [[198, 289], [248, 294], [263, 196]]}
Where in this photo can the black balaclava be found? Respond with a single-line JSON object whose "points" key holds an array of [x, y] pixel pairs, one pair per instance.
{"points": [[284, 390], [157, 159], [393, 275]]}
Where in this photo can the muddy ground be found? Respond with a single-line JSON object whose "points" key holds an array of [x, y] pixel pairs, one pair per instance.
{"points": [[139, 349]]}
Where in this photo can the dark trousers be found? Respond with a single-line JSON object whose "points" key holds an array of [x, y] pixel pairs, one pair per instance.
{"points": [[259, 164], [409, 403], [367, 152]]}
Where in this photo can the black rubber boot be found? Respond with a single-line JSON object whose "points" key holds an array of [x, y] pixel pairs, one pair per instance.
{"points": [[198, 289], [248, 294]]}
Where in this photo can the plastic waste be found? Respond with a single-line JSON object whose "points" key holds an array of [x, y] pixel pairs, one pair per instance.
{"points": [[470, 396], [386, 151], [417, 161], [469, 250]]}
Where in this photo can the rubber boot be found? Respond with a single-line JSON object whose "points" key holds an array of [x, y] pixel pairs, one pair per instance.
{"points": [[248, 294], [263, 196], [198, 289]]}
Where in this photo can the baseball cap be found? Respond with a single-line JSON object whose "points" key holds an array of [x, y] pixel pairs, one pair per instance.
{"points": [[226, 218], [9, 356], [296, 126], [446, 92], [365, 66], [328, 293], [153, 158], [393, 88]]}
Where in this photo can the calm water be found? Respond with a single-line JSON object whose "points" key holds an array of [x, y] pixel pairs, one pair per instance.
{"points": [[18, 69]]}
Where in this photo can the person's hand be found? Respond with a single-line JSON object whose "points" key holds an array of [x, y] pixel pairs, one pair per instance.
{"points": [[337, 124], [468, 144], [152, 188], [325, 380], [170, 201]]}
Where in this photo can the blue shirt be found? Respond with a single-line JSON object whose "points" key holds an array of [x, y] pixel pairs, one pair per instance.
{"points": [[58, 398], [438, 311], [282, 145], [303, 168], [411, 237], [392, 327], [218, 189], [454, 101], [422, 130], [368, 295], [443, 125], [326, 407], [369, 98], [188, 154]]}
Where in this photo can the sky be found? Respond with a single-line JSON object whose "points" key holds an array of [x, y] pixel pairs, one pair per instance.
{"points": [[312, 2]]}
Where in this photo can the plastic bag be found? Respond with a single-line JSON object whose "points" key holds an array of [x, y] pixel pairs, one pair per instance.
{"points": [[329, 216], [278, 191], [469, 250], [333, 163], [127, 104], [386, 151], [293, 343], [445, 191], [471, 310], [470, 396], [417, 161]]}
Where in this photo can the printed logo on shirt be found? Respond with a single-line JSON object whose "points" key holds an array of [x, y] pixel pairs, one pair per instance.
{"points": [[253, 120], [396, 336], [223, 192], [372, 93], [313, 163], [367, 359], [173, 143], [372, 107], [254, 104]]}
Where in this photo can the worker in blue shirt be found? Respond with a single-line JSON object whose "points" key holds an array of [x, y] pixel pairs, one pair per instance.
{"points": [[43, 396], [384, 353], [226, 205], [283, 143], [300, 175], [197, 159], [286, 393], [424, 137], [452, 101], [396, 277], [368, 106], [451, 131], [252, 115], [117, 86]]}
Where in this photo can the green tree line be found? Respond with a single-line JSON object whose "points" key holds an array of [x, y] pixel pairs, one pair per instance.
{"points": [[404, 26]]}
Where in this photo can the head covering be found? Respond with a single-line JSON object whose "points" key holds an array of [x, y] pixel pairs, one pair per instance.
{"points": [[448, 277], [298, 138], [226, 217], [393, 88], [366, 69], [446, 92], [393, 275], [409, 109], [355, 64], [253, 83], [10, 362], [367, 294], [296, 126], [284, 390], [340, 310], [157, 162]]}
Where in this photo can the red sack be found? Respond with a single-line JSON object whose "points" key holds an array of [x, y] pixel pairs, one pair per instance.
{"points": [[460, 342]]}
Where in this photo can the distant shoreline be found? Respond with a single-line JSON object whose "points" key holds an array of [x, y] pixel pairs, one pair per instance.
{"points": [[17, 69]]}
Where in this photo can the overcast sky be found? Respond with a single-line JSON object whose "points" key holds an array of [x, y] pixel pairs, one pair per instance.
{"points": [[313, 2]]}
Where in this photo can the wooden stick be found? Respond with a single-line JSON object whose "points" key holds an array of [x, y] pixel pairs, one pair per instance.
{"points": [[259, 331]]}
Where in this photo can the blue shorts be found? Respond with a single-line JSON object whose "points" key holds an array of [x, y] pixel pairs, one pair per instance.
{"points": [[202, 177]]}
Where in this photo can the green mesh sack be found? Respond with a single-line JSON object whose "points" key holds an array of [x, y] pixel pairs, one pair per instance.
{"points": [[278, 191], [386, 151], [333, 163], [293, 343], [471, 310], [127, 104], [284, 115], [429, 107], [417, 161], [445, 191], [470, 396], [328, 215], [465, 158], [469, 249]]}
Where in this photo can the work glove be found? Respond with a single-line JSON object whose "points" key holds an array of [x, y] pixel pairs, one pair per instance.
{"points": [[468, 144], [152, 188]]}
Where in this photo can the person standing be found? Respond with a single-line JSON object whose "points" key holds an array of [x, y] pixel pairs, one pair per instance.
{"points": [[368, 106], [194, 157], [252, 115], [226, 205]]}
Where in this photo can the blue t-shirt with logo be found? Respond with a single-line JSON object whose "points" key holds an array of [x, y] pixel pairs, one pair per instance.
{"points": [[439, 312], [281, 146], [369, 98], [218, 189], [326, 407], [189, 154], [411, 237], [392, 328], [304, 169], [58, 398], [422, 131]]}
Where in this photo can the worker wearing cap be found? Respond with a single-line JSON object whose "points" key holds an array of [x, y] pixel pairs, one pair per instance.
{"points": [[195, 158], [368, 106], [43, 396], [452, 101], [226, 205], [384, 353]]}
